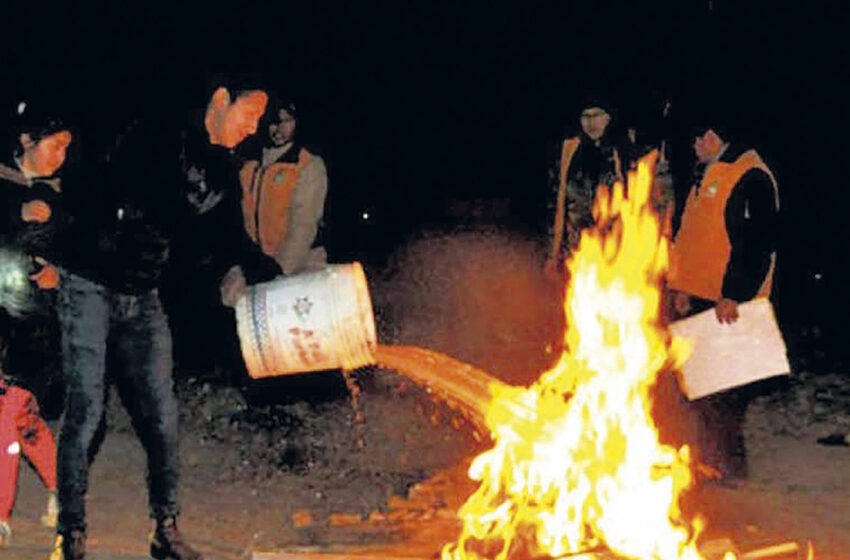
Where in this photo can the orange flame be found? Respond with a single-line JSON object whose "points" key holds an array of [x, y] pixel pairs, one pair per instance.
{"points": [[577, 464]]}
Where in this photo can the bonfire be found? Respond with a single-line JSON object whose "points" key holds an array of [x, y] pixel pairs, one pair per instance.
{"points": [[576, 463]]}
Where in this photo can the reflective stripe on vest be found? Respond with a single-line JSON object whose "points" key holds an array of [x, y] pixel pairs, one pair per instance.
{"points": [[568, 151], [266, 197], [702, 249]]}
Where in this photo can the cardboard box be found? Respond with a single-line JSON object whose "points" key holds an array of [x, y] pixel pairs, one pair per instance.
{"points": [[726, 356]]}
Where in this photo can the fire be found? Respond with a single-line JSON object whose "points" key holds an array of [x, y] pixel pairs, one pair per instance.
{"points": [[577, 464]]}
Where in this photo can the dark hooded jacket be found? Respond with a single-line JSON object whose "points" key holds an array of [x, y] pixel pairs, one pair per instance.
{"points": [[123, 206], [124, 202]]}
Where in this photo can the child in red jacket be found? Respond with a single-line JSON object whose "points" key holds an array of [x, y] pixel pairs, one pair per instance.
{"points": [[22, 430]]}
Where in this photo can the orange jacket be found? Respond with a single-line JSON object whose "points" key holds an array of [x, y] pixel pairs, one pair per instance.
{"points": [[701, 250]]}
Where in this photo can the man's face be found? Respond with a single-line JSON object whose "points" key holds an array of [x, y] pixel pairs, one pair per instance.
{"points": [[243, 116], [228, 124], [45, 157], [707, 146], [594, 121], [283, 130]]}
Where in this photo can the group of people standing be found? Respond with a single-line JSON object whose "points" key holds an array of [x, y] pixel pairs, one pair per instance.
{"points": [[99, 229], [723, 250]]}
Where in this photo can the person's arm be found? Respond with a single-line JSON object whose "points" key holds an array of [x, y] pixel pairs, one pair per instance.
{"points": [[751, 219], [305, 213], [239, 260], [244, 264], [554, 255], [13, 175]]}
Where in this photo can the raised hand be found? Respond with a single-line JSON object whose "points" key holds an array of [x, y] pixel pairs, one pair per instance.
{"points": [[35, 211]]}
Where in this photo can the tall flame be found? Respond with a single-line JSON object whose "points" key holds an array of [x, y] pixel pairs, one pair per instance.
{"points": [[577, 464]]}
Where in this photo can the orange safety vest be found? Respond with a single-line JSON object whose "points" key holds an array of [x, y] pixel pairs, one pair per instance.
{"points": [[266, 197], [701, 250], [567, 152]]}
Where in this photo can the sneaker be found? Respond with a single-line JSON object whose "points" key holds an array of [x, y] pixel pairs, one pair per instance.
{"points": [[5, 533], [167, 543], [51, 512], [69, 547]]}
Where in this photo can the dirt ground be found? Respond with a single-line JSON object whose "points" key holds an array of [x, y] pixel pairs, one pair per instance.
{"points": [[253, 458]]}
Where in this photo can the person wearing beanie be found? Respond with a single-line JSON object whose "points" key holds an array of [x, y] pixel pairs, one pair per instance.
{"points": [[724, 254], [586, 161]]}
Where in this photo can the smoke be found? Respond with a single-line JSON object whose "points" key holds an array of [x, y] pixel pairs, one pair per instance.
{"points": [[478, 295]]}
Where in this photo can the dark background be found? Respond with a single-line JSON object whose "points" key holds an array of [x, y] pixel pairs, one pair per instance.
{"points": [[412, 104]]}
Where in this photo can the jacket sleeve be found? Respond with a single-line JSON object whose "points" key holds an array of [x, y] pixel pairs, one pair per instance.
{"points": [[256, 265], [552, 184], [305, 213], [37, 239], [751, 220], [237, 248], [220, 214]]}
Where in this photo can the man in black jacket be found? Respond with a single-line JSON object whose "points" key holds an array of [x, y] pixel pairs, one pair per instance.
{"points": [[124, 208]]}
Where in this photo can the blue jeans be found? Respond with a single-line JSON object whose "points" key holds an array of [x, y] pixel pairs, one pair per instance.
{"points": [[133, 330]]}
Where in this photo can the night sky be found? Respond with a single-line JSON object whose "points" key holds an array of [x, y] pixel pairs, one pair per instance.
{"points": [[413, 103]]}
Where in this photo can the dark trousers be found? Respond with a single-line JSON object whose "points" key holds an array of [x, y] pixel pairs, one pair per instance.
{"points": [[712, 426], [721, 430], [133, 331]]}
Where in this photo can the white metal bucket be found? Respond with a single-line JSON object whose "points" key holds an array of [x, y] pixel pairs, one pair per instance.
{"points": [[309, 322]]}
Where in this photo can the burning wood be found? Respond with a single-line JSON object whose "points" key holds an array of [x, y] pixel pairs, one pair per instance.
{"points": [[773, 551]]}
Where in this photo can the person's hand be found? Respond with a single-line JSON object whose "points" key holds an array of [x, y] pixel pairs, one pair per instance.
{"points": [[47, 277], [35, 211], [726, 311], [681, 303], [232, 286]]}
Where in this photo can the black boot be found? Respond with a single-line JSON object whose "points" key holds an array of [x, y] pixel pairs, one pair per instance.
{"points": [[167, 543], [70, 545]]}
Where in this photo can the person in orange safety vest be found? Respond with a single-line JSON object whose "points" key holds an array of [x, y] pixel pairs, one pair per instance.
{"points": [[724, 254], [586, 161]]}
